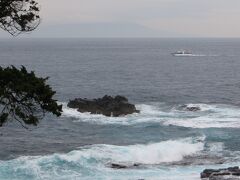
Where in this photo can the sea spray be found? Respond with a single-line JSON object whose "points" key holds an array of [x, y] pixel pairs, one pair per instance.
{"points": [[209, 116], [90, 161]]}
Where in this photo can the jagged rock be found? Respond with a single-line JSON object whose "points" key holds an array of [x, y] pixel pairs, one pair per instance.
{"points": [[193, 108], [230, 173], [108, 106], [121, 166], [190, 108], [118, 166]]}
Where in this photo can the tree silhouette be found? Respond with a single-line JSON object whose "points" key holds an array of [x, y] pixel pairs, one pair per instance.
{"points": [[17, 16], [24, 97]]}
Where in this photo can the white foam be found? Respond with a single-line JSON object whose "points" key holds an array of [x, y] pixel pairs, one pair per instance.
{"points": [[92, 118], [92, 162], [204, 123], [210, 116], [215, 148], [149, 113], [203, 107], [198, 55], [155, 153]]}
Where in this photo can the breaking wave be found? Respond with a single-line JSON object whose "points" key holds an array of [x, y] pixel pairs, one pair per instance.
{"points": [[92, 161], [209, 116]]}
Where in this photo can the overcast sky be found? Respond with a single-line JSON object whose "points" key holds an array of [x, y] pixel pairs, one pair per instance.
{"points": [[132, 18]]}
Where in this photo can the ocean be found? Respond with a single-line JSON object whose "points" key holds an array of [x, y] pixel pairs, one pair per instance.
{"points": [[167, 141]]}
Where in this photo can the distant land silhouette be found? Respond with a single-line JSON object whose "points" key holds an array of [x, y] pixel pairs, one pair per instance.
{"points": [[97, 30]]}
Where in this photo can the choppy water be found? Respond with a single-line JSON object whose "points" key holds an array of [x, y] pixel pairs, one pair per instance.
{"points": [[166, 141]]}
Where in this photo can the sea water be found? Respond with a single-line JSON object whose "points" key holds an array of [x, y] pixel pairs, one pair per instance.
{"points": [[164, 139]]}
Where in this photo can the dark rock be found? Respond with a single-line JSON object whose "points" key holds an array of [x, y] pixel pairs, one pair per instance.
{"points": [[121, 166], [236, 173], [189, 108], [193, 108], [220, 173], [233, 169], [121, 99], [108, 106], [118, 166], [208, 172], [136, 165], [223, 178]]}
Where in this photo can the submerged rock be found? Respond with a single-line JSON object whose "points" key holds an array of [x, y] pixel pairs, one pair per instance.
{"points": [[121, 166], [230, 173], [108, 106], [191, 108], [118, 166]]}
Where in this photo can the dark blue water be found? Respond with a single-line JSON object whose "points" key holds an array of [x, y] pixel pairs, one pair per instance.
{"points": [[163, 137]]}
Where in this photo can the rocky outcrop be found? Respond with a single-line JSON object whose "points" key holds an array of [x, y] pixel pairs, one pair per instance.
{"points": [[191, 108], [108, 106], [230, 173], [121, 166]]}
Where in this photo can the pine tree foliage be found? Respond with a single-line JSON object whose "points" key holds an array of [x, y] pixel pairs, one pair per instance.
{"points": [[25, 97], [17, 16]]}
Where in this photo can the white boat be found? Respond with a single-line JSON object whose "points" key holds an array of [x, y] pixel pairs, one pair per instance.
{"points": [[182, 53]]}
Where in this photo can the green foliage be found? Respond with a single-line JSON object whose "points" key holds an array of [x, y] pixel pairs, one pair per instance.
{"points": [[18, 16], [25, 97]]}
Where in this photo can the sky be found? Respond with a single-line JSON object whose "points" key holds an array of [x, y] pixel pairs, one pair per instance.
{"points": [[138, 18]]}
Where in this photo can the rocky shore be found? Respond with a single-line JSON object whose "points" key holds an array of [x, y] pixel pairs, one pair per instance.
{"points": [[231, 173], [107, 105]]}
